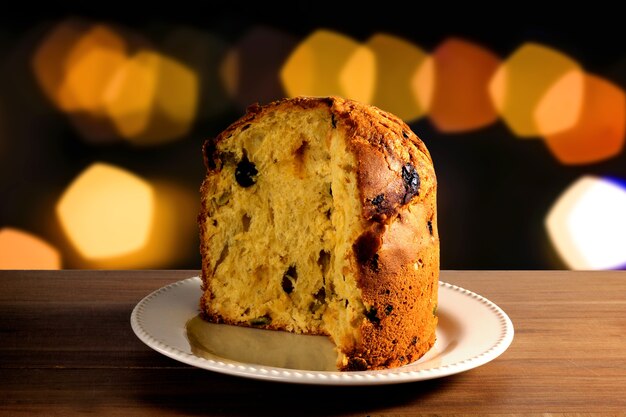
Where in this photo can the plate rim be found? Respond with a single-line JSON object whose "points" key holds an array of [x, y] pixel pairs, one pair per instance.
{"points": [[372, 377]]}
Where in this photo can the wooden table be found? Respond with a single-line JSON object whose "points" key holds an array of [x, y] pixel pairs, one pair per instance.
{"points": [[66, 347]]}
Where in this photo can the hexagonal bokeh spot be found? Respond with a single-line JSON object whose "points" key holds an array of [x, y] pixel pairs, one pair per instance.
{"points": [[587, 226], [89, 67], [523, 79], [357, 77], [50, 57], [74, 65], [598, 132], [397, 61], [23, 250], [559, 108], [152, 99], [462, 71], [329, 63], [106, 212]]}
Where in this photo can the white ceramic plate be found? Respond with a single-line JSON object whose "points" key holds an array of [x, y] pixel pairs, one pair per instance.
{"points": [[472, 331]]}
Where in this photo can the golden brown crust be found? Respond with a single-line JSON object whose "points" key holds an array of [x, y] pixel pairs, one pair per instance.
{"points": [[397, 255], [385, 148]]}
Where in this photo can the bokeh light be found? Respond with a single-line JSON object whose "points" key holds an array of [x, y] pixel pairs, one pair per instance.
{"points": [[357, 77], [106, 212], [131, 94], [152, 99], [599, 131], [559, 108], [520, 83], [49, 60], [168, 81], [110, 91], [74, 65], [423, 83], [251, 70], [172, 235], [461, 100], [587, 226], [323, 64], [90, 66], [397, 60], [88, 69], [23, 250]]}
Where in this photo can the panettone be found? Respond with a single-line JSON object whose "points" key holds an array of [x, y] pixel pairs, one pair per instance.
{"points": [[318, 216]]}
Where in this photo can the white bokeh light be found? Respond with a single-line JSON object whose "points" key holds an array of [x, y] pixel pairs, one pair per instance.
{"points": [[587, 224]]}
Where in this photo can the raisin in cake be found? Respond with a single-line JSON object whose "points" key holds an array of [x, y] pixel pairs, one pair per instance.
{"points": [[319, 217]]}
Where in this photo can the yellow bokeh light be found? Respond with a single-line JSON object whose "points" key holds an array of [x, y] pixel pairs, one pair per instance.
{"points": [[130, 95], [152, 99], [172, 237], [106, 212], [176, 100], [397, 60], [298, 74], [460, 100], [599, 131], [357, 76], [21, 250], [323, 64], [497, 87], [49, 60], [521, 82], [423, 84], [560, 107]]}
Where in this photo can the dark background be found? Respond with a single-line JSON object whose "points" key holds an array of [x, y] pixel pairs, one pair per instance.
{"points": [[494, 188]]}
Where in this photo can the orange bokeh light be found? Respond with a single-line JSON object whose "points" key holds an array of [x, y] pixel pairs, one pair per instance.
{"points": [[74, 65], [600, 129], [559, 109], [521, 82], [21, 250], [49, 60], [397, 60], [109, 91], [460, 98], [89, 68]]}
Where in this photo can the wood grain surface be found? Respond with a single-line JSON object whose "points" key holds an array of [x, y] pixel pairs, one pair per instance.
{"points": [[67, 348]]}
